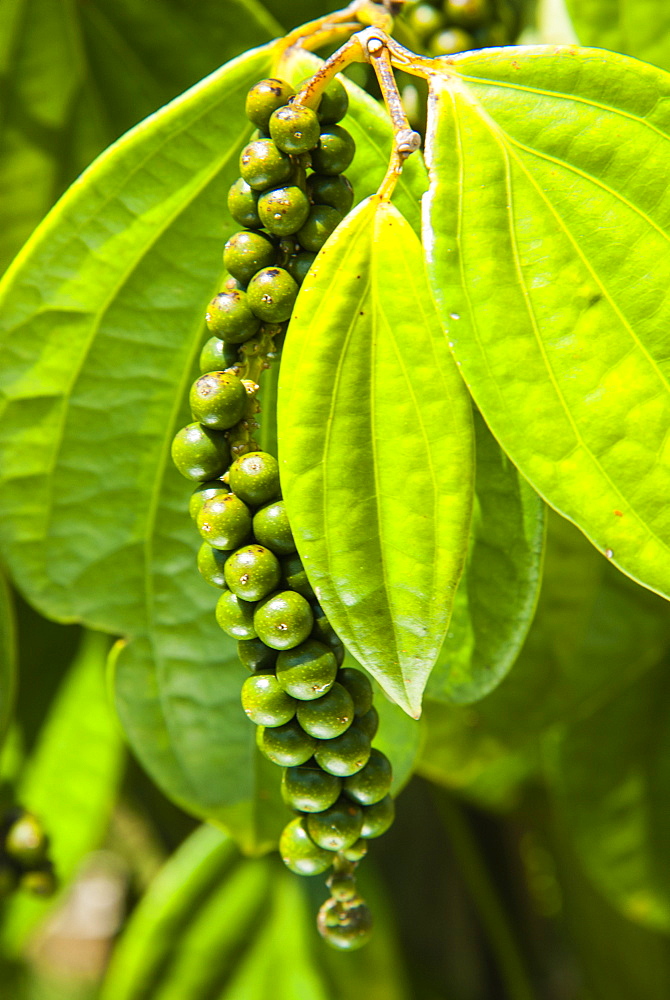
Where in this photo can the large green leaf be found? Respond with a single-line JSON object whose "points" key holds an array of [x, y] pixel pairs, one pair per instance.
{"points": [[101, 323], [547, 229], [496, 597], [7, 657], [64, 96], [376, 471], [638, 28], [71, 778]]}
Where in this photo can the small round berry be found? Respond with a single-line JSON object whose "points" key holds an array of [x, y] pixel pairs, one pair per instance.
{"points": [[345, 754], [263, 166], [328, 716], [299, 852], [39, 881], [334, 190], [321, 224], [294, 129], [264, 98], [284, 620], [216, 356], [235, 617], [256, 656], [224, 522], [334, 103], [378, 818], [334, 152], [369, 723], [467, 13], [205, 491], [336, 827], [307, 671], [359, 687], [254, 477], [344, 926], [217, 399], [264, 701], [450, 41], [229, 317], [373, 782], [200, 453], [294, 576], [247, 252], [309, 789], [287, 745], [324, 632], [424, 19], [357, 851], [272, 528], [283, 210], [252, 573], [272, 293], [243, 204], [26, 842], [211, 564], [299, 264]]}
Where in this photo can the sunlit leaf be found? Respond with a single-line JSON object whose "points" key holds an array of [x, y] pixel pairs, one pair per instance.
{"points": [[376, 467], [640, 29], [498, 591], [548, 237]]}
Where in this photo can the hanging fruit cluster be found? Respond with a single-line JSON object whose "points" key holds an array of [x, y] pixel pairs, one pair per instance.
{"points": [[460, 25], [24, 857], [315, 717]]}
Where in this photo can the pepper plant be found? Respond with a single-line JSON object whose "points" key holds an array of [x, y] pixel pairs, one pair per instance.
{"points": [[426, 410]]}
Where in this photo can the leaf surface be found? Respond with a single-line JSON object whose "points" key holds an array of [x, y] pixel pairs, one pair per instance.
{"points": [[547, 236], [376, 468], [639, 28], [496, 597]]}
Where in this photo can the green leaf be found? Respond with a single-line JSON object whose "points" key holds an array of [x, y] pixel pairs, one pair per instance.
{"points": [[547, 231], [636, 29], [611, 774], [63, 97], [70, 781], [7, 657], [497, 594], [376, 449], [102, 320]]}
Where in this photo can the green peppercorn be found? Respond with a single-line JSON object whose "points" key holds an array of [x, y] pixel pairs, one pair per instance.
{"points": [[265, 702], [299, 852], [39, 881], [378, 818], [467, 13], [324, 632], [357, 851], [272, 528], [26, 842], [205, 491], [328, 716], [294, 576], [373, 782], [284, 620], [359, 687], [294, 129], [309, 789], [307, 671], [331, 189], [344, 754], [334, 152], [224, 522], [450, 41], [256, 656], [334, 103], [283, 210], [263, 165], [216, 356], [252, 572], [235, 616], [320, 225], [299, 264], [369, 723], [345, 926], [264, 98], [247, 252], [218, 399], [287, 745], [254, 477], [272, 293], [200, 453], [243, 204], [424, 20], [211, 564], [229, 316], [337, 826]]}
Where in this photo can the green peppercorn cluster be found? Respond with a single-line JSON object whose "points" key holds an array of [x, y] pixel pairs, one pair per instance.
{"points": [[315, 717], [444, 28], [24, 855]]}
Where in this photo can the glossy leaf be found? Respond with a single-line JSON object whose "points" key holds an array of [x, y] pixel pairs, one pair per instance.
{"points": [[611, 774], [497, 594], [70, 781], [63, 96], [636, 29], [102, 322], [7, 657], [376, 467], [547, 232]]}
